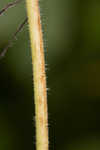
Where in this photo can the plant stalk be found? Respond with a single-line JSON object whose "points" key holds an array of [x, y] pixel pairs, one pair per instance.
{"points": [[38, 61]]}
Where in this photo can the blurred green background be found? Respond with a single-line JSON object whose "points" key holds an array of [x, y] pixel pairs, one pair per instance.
{"points": [[72, 49]]}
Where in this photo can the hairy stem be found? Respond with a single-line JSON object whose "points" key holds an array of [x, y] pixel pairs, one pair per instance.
{"points": [[38, 74]]}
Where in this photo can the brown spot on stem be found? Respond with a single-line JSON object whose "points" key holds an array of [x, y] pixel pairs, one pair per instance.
{"points": [[41, 121], [40, 101]]}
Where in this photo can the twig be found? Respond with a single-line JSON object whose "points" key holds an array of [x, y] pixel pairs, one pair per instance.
{"points": [[12, 4], [20, 27]]}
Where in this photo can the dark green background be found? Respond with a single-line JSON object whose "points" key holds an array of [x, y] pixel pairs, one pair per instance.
{"points": [[72, 53]]}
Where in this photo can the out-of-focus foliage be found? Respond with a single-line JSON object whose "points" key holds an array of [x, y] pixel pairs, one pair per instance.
{"points": [[73, 71]]}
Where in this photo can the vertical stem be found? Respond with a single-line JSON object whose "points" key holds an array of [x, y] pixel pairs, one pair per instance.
{"points": [[38, 74]]}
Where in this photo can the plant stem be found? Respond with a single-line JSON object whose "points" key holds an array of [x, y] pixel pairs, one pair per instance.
{"points": [[41, 113]]}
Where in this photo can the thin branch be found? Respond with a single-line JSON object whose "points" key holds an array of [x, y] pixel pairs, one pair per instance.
{"points": [[20, 27], [12, 4], [13, 37]]}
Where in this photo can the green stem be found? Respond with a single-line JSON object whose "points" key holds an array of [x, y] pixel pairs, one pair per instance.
{"points": [[39, 75]]}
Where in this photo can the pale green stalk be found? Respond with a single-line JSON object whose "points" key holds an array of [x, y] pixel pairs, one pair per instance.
{"points": [[39, 75]]}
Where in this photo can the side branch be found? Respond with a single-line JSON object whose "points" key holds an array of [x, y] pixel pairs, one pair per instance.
{"points": [[14, 37], [12, 4]]}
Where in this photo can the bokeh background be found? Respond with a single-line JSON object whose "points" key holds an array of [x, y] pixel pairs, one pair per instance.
{"points": [[72, 50]]}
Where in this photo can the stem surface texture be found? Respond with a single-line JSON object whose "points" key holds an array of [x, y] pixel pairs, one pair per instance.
{"points": [[40, 92]]}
